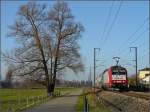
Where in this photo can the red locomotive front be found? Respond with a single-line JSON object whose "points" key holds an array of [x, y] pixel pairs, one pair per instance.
{"points": [[115, 77], [118, 77]]}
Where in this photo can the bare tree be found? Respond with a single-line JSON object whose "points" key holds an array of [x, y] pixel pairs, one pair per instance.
{"points": [[65, 33], [47, 43]]}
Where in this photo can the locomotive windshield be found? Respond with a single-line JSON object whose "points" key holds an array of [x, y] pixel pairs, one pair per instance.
{"points": [[118, 71]]}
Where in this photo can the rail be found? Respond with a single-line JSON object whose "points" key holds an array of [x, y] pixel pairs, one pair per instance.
{"points": [[133, 94], [121, 103], [104, 101]]}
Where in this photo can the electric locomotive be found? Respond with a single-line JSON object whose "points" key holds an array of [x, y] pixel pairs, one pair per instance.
{"points": [[114, 77]]}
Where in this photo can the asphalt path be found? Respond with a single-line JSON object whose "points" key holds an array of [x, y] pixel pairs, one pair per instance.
{"points": [[65, 103]]}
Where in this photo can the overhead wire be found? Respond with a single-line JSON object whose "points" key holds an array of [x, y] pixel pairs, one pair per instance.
{"points": [[134, 41], [107, 20], [113, 22], [138, 37], [112, 25], [132, 35]]}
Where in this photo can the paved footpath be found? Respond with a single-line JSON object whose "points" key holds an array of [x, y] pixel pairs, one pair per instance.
{"points": [[60, 104]]}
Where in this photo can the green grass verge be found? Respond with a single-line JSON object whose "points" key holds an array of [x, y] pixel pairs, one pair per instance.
{"points": [[9, 97], [79, 104]]}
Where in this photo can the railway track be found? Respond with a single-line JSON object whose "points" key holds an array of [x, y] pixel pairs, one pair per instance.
{"points": [[108, 104], [142, 95], [120, 102], [134, 94]]}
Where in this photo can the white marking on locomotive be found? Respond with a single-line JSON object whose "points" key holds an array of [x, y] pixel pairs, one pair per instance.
{"points": [[118, 77]]}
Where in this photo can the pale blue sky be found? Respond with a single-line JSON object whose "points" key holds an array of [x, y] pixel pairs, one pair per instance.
{"points": [[93, 15]]}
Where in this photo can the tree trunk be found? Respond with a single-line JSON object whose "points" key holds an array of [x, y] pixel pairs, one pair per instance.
{"points": [[39, 45], [55, 64], [50, 89]]}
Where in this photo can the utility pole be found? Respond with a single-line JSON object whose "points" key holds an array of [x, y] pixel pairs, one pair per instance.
{"points": [[89, 78], [149, 52], [95, 64], [135, 48]]}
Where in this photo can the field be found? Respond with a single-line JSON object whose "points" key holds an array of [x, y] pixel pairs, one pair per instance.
{"points": [[14, 99]]}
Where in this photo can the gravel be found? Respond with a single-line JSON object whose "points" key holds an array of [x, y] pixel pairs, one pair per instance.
{"points": [[125, 103]]}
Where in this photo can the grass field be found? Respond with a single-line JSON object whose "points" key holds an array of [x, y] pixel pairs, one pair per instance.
{"points": [[17, 98]]}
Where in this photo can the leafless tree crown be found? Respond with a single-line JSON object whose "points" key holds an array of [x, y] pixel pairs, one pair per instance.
{"points": [[47, 42]]}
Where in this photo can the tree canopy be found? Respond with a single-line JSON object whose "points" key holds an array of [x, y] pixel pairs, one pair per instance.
{"points": [[48, 42]]}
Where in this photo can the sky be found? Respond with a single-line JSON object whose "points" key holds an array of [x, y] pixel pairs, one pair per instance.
{"points": [[112, 26]]}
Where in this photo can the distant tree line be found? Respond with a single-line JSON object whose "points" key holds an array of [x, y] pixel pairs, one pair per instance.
{"points": [[33, 84], [74, 83]]}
